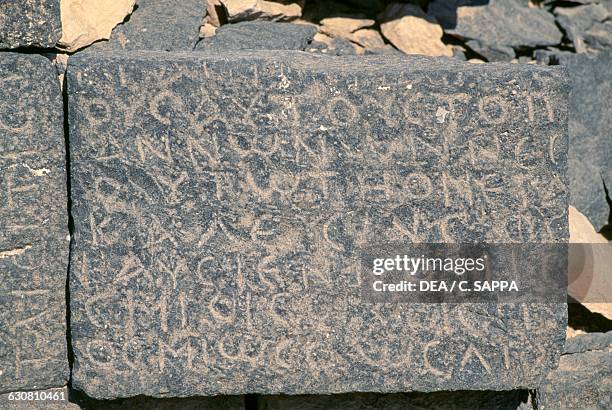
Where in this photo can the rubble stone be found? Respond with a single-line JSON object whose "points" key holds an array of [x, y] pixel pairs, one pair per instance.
{"points": [[164, 25], [259, 35], [413, 32], [496, 22]]}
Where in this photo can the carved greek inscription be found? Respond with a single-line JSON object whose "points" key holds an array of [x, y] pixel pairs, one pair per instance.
{"points": [[238, 210]]}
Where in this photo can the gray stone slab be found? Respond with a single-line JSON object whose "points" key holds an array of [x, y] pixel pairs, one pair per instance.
{"points": [[576, 21], [221, 202], [590, 153], [161, 25], [599, 37], [29, 23], [454, 400], [583, 380], [491, 52], [33, 226], [497, 22], [259, 35]]}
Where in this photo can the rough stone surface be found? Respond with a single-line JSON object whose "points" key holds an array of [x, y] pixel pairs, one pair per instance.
{"points": [[497, 22], [29, 23], [457, 400], [259, 35], [576, 21], [588, 342], [337, 46], [491, 52], [87, 21], [235, 191], [584, 379], [33, 226], [241, 10], [368, 38], [599, 36], [164, 25], [590, 155], [347, 36], [207, 30], [343, 26], [413, 32]]}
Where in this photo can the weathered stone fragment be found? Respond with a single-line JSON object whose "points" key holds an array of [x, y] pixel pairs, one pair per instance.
{"points": [[207, 30], [455, 400], [590, 152], [343, 26], [491, 52], [221, 203], [410, 30], [33, 226], [584, 377], [599, 36], [29, 23], [347, 36], [496, 22], [164, 25], [259, 35], [87, 21], [242, 10], [338, 46], [588, 342], [368, 39], [576, 21]]}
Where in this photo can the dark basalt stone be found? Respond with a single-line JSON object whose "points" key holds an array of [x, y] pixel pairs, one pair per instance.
{"points": [[590, 152], [599, 37], [583, 379], [33, 226], [259, 35], [576, 21], [491, 52], [587, 342], [499, 23], [29, 23], [221, 203], [160, 25]]}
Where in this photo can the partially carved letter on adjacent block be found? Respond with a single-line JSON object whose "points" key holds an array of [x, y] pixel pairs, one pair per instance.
{"points": [[34, 239]]}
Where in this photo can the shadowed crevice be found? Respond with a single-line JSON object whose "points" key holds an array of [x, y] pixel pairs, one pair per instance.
{"points": [[581, 318], [70, 224]]}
